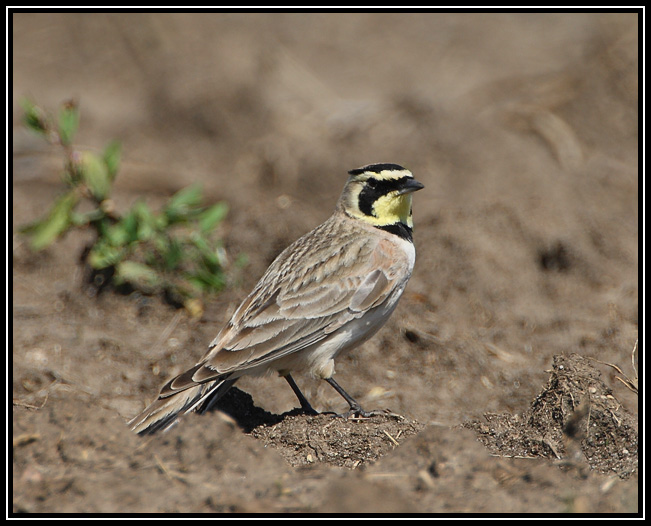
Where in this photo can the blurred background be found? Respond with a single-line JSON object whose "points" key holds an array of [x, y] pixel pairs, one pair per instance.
{"points": [[522, 126]]}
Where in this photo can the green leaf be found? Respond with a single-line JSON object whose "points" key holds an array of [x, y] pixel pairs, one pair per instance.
{"points": [[34, 117], [125, 231], [137, 274], [82, 219], [208, 253], [129, 225], [112, 155], [118, 234], [104, 254], [173, 254], [182, 203], [68, 122], [206, 280], [212, 216], [145, 221], [59, 218], [96, 176]]}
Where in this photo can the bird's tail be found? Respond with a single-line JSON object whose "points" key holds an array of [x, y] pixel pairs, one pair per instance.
{"points": [[173, 403]]}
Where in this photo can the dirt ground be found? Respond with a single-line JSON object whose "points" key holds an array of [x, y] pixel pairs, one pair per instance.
{"points": [[524, 130]]}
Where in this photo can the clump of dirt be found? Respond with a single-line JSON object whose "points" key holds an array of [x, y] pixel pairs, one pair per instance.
{"points": [[575, 416], [351, 442], [328, 438]]}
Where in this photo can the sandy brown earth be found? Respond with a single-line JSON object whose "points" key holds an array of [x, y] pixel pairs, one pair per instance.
{"points": [[524, 129]]}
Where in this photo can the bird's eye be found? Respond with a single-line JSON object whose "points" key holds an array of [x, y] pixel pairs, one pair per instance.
{"points": [[372, 183]]}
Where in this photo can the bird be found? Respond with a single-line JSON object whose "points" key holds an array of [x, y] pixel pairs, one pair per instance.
{"points": [[325, 294]]}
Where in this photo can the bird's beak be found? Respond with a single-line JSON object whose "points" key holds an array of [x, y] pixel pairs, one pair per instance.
{"points": [[410, 185]]}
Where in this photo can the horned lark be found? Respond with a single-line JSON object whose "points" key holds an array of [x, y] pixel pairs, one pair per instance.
{"points": [[326, 293]]}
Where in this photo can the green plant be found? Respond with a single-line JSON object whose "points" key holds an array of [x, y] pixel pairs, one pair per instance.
{"points": [[172, 251]]}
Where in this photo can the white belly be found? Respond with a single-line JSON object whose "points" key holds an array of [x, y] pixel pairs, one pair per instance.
{"points": [[318, 360]]}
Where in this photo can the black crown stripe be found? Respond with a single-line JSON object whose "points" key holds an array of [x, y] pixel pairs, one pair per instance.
{"points": [[376, 168]]}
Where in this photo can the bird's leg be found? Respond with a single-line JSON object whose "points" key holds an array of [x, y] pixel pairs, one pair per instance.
{"points": [[305, 405], [355, 408]]}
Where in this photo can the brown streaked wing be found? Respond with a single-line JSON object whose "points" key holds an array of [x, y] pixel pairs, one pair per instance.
{"points": [[290, 320]]}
